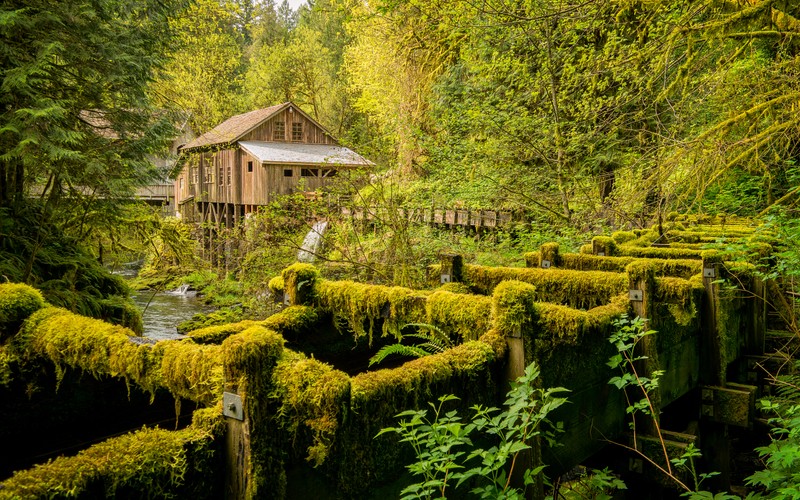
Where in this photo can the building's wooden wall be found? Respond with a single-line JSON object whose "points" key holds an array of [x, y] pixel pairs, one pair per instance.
{"points": [[312, 133], [222, 177]]}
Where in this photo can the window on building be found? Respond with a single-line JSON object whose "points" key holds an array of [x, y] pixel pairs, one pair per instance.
{"points": [[287, 172], [329, 172], [297, 131], [279, 132], [309, 172], [220, 173], [181, 184], [229, 175], [193, 174], [249, 166]]}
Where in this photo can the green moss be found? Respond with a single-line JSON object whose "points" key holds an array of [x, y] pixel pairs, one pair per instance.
{"points": [[68, 340], [276, 286], [153, 463], [605, 245], [587, 248], [683, 268], [190, 371], [216, 318], [561, 286], [561, 324], [468, 316], [249, 358], [681, 296], [550, 252], [361, 306], [659, 253], [513, 307], [299, 280], [216, 334], [532, 259], [620, 237], [293, 319], [17, 302], [121, 311], [255, 350], [313, 399], [455, 288]]}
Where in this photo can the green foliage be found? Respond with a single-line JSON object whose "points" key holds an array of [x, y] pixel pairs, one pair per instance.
{"points": [[780, 478], [149, 463], [83, 139], [445, 451], [434, 340], [17, 302], [629, 333]]}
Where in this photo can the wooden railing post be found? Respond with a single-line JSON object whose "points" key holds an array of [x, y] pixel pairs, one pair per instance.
{"points": [[452, 267], [641, 281]]}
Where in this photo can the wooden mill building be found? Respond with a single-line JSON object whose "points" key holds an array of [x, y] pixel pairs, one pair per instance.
{"points": [[248, 159]]}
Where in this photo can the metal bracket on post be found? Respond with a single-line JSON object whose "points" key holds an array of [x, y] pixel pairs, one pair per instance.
{"points": [[545, 264], [232, 406], [286, 300], [601, 254], [709, 272], [635, 295], [445, 278]]}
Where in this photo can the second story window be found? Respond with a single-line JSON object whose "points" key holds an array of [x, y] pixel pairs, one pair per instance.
{"points": [[297, 131], [221, 172], [279, 132]]}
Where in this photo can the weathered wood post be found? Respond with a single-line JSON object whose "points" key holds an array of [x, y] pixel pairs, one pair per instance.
{"points": [[604, 246], [252, 468], [298, 284], [451, 268], [549, 256], [642, 285], [514, 316]]}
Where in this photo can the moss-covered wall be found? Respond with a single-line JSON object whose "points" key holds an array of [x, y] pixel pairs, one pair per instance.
{"points": [[149, 463], [578, 289]]}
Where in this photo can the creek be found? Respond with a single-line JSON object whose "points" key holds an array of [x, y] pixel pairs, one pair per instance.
{"points": [[166, 310]]}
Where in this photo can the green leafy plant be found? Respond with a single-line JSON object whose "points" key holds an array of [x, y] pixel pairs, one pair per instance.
{"points": [[781, 476], [446, 455], [435, 341], [628, 338]]}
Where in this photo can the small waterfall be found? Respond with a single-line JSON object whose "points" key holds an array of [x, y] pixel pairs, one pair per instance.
{"points": [[181, 290], [312, 242]]}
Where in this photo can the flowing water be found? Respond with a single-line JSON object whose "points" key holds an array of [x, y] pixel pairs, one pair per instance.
{"points": [[166, 310], [312, 242]]}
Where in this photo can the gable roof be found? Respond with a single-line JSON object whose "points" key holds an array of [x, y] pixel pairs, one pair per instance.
{"points": [[235, 127], [315, 154]]}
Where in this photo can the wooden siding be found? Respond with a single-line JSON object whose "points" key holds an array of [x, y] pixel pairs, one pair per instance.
{"points": [[312, 133], [221, 178]]}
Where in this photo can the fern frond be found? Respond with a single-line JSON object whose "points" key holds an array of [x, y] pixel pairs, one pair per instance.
{"points": [[399, 350]]}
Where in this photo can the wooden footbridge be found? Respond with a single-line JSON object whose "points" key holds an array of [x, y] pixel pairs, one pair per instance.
{"points": [[288, 408]]}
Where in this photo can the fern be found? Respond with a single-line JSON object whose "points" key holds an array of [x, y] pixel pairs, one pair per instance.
{"points": [[397, 349], [436, 341]]}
